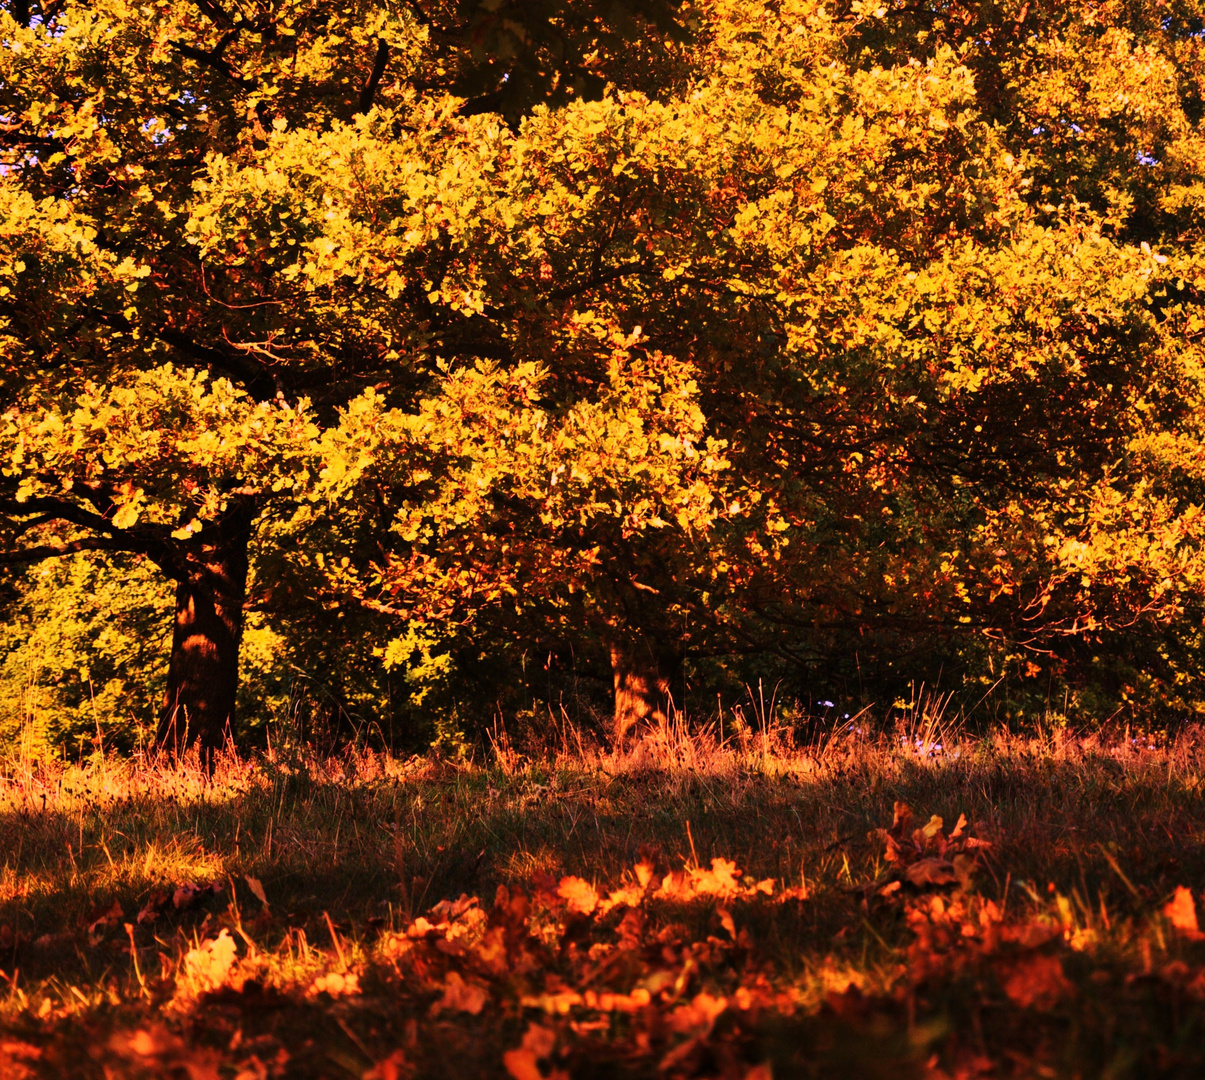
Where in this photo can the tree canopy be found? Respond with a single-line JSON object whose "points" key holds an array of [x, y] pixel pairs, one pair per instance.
{"points": [[840, 334]]}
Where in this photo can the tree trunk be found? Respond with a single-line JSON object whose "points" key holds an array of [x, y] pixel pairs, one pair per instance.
{"points": [[643, 674], [202, 679]]}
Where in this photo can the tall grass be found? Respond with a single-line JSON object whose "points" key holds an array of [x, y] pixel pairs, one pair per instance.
{"points": [[118, 877]]}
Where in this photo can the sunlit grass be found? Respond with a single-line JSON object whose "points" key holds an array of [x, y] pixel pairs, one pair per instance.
{"points": [[129, 903]]}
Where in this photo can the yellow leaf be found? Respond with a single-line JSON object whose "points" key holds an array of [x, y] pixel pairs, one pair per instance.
{"points": [[126, 517]]}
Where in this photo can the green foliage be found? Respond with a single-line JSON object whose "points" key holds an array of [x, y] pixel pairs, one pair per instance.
{"points": [[83, 652]]}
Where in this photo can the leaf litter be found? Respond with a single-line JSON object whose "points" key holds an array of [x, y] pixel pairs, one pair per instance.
{"points": [[660, 976], [668, 971]]}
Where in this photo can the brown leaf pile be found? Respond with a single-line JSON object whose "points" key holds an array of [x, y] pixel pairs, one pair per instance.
{"points": [[658, 968]]}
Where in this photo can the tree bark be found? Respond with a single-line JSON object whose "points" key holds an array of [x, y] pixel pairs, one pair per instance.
{"points": [[202, 680], [643, 673]]}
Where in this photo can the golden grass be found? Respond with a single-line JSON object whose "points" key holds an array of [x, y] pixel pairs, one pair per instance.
{"points": [[295, 917]]}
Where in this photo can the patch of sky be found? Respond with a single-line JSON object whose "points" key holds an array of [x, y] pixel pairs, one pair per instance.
{"points": [[156, 131]]}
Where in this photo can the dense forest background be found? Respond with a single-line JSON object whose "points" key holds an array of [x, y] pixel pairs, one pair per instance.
{"points": [[404, 368]]}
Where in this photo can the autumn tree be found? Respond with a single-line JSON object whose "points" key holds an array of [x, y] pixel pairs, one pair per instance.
{"points": [[152, 404], [940, 405], [724, 327]]}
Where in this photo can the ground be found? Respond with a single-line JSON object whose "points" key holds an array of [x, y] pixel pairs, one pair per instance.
{"points": [[864, 906]]}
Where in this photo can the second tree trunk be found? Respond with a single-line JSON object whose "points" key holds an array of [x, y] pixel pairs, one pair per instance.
{"points": [[643, 675]]}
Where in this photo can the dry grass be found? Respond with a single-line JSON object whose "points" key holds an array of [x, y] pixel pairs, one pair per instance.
{"points": [[133, 941]]}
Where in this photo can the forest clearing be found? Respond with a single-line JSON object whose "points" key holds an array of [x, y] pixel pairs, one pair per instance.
{"points": [[602, 538], [681, 910]]}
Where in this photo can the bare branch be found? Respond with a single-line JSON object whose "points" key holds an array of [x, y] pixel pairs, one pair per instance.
{"points": [[214, 61], [374, 80]]}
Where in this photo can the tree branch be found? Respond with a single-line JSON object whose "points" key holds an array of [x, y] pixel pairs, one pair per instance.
{"points": [[214, 61], [597, 278], [53, 551], [51, 509], [255, 377], [374, 80]]}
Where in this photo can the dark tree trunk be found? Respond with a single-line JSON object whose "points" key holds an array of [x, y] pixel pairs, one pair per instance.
{"points": [[643, 673], [202, 679]]}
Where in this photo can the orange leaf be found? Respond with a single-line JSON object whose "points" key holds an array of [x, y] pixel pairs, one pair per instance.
{"points": [[1181, 912], [578, 894], [13, 1057], [392, 1068], [521, 1062], [1036, 979], [460, 996], [698, 1016], [720, 880]]}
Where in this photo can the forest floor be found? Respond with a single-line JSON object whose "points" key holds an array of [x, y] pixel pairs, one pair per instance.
{"points": [[681, 909]]}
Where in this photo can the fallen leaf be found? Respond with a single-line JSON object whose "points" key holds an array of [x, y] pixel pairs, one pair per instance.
{"points": [[1181, 912], [720, 880], [523, 1062], [157, 1051], [1035, 980], [578, 894], [257, 887], [926, 872], [698, 1016], [153, 908], [14, 1055], [207, 967], [188, 894], [392, 1068], [460, 996], [98, 924], [933, 828]]}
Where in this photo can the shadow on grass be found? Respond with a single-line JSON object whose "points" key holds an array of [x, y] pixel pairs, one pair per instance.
{"points": [[1086, 842]]}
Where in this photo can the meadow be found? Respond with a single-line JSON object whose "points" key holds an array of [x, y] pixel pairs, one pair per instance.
{"points": [[913, 902]]}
